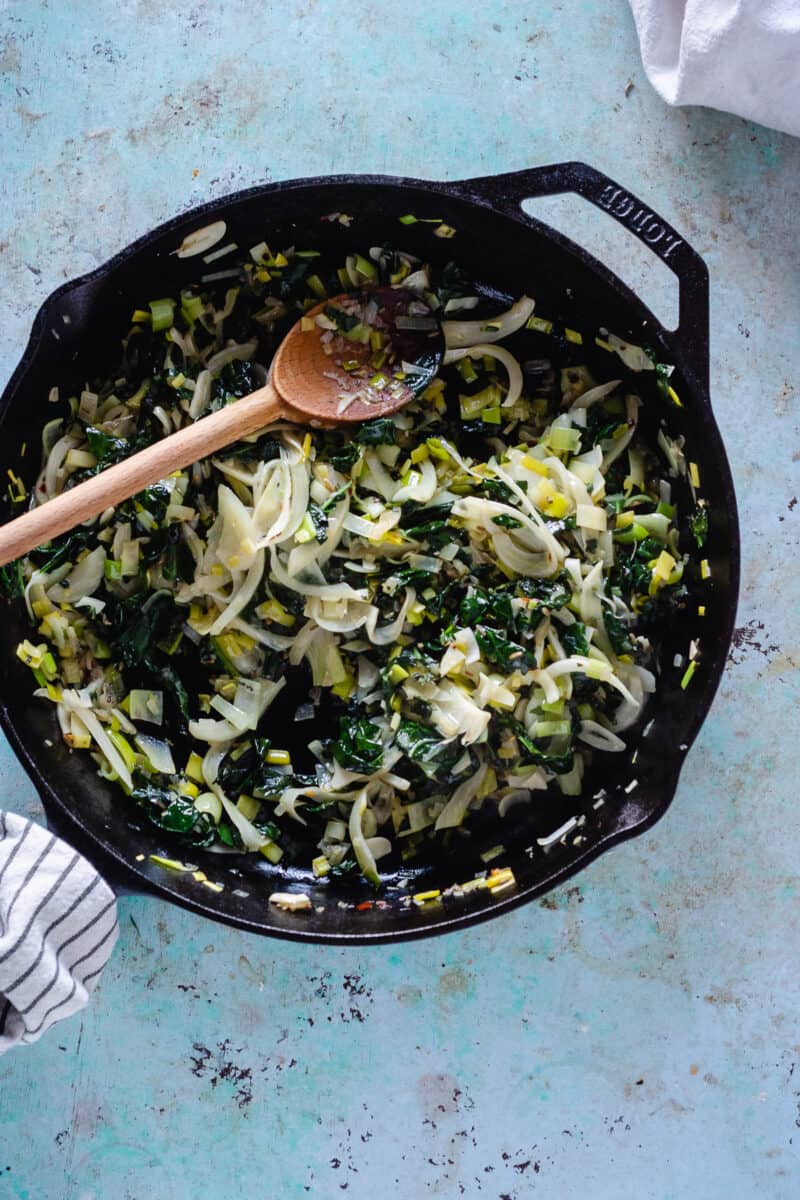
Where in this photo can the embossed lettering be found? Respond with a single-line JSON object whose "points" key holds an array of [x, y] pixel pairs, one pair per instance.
{"points": [[641, 218], [617, 202], [654, 233], [673, 242], [623, 207], [608, 195]]}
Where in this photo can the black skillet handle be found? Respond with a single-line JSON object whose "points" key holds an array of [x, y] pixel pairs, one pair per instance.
{"points": [[506, 193]]}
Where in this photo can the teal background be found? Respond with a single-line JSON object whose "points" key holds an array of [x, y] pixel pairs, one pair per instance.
{"points": [[635, 1034]]}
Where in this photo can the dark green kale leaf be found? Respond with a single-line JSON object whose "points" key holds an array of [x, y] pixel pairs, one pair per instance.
{"points": [[648, 548], [410, 577], [235, 380], [346, 868], [379, 432], [175, 815], [319, 520], [482, 606], [108, 449], [429, 525], [167, 545], [495, 489], [560, 762], [264, 449], [359, 746], [426, 747], [573, 638], [632, 575], [446, 599], [239, 772], [435, 534], [293, 276], [617, 634], [343, 321], [343, 458], [451, 282], [140, 624], [551, 593], [416, 517], [508, 655], [175, 691], [247, 772], [63, 549]]}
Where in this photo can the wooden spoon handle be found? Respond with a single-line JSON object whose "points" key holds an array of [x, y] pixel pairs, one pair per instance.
{"points": [[125, 479]]}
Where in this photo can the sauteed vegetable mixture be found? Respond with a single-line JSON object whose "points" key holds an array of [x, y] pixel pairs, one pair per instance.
{"points": [[464, 589]]}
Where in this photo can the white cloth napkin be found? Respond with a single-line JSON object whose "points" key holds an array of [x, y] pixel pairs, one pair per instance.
{"points": [[742, 56], [58, 926]]}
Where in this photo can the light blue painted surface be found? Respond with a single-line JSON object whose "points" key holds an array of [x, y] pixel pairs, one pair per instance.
{"points": [[635, 1035]]}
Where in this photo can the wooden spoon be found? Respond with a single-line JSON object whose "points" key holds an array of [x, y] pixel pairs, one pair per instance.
{"points": [[306, 385]]}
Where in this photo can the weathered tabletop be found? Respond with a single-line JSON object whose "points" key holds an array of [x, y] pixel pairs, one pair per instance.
{"points": [[635, 1034]]}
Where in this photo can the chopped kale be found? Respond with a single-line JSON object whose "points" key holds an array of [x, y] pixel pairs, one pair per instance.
{"points": [[174, 688], [264, 449], [452, 282], [63, 549], [319, 520], [235, 380], [427, 749], [506, 521], [359, 746], [140, 624], [559, 762], [617, 634], [379, 432], [573, 638], [495, 489], [417, 520], [244, 770], [293, 277], [343, 458], [551, 593], [343, 321], [632, 575], [507, 655], [491, 605], [410, 577], [108, 449], [175, 815]]}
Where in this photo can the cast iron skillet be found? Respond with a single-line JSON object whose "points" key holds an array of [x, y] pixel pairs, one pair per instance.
{"points": [[507, 252]]}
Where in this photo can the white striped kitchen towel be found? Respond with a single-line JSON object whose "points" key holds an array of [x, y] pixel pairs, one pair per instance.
{"points": [[58, 926]]}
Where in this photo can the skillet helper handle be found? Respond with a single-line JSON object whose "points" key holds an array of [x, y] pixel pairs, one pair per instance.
{"points": [[506, 193], [127, 478]]}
